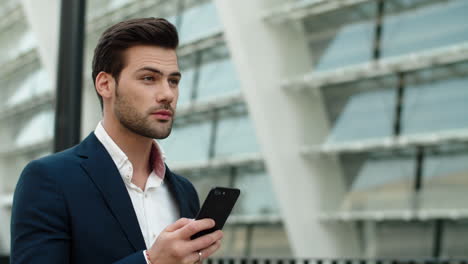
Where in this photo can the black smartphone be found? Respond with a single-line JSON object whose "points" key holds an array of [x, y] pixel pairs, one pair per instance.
{"points": [[217, 206]]}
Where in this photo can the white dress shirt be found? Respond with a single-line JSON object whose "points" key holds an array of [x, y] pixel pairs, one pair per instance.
{"points": [[154, 206]]}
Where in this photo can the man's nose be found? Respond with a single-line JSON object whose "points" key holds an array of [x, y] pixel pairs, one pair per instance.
{"points": [[165, 93]]}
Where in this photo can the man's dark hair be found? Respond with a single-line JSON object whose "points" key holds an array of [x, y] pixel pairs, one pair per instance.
{"points": [[108, 55]]}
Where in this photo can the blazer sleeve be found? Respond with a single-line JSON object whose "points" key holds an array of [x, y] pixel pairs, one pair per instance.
{"points": [[40, 231], [40, 228]]}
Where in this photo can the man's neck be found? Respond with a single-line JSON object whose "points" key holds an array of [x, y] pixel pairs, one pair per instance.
{"points": [[136, 147]]}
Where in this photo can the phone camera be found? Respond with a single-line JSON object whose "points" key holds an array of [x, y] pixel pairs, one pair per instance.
{"points": [[217, 192], [224, 193]]}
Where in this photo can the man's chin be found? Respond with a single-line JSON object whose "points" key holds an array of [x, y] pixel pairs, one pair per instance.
{"points": [[158, 134]]}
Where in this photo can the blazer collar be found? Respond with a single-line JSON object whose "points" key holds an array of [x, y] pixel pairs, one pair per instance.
{"points": [[105, 175], [177, 189]]}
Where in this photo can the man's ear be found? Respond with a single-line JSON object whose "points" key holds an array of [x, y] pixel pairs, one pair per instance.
{"points": [[105, 85]]}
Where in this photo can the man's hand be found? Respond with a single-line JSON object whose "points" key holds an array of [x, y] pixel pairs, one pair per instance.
{"points": [[173, 245]]}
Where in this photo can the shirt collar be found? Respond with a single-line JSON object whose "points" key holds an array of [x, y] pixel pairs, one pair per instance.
{"points": [[123, 164]]}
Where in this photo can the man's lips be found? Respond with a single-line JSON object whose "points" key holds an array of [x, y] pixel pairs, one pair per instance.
{"points": [[162, 114]]}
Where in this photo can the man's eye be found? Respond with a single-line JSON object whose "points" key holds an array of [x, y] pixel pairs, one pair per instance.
{"points": [[148, 78], [174, 81]]}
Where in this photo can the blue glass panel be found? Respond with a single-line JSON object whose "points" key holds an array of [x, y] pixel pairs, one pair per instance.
{"points": [[436, 106], [27, 42], [257, 196], [352, 44], [235, 135], [271, 242], [382, 184], [404, 239], [376, 173], [445, 181], [96, 8], [35, 84], [38, 128], [366, 115], [15, 40], [217, 78], [118, 3], [455, 239], [198, 22], [185, 87], [188, 143], [430, 27]]}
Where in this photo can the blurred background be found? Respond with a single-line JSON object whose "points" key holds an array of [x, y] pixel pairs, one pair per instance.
{"points": [[343, 122]]}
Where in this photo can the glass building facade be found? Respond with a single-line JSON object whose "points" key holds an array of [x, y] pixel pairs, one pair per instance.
{"points": [[390, 78], [400, 187]]}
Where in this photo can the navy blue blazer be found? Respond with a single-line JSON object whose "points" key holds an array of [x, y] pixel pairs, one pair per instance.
{"points": [[73, 207]]}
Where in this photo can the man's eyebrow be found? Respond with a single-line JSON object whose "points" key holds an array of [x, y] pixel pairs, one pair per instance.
{"points": [[151, 69]]}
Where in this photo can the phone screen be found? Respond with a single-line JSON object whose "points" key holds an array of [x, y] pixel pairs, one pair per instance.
{"points": [[217, 206]]}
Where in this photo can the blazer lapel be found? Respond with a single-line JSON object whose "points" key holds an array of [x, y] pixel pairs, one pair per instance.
{"points": [[103, 172], [177, 191]]}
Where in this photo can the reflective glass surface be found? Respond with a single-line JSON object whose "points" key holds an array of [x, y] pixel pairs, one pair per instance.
{"points": [[366, 115], [342, 37], [257, 195], [455, 239], [266, 241], [429, 27], [235, 135], [234, 242], [15, 40], [27, 42], [350, 45], [186, 86], [436, 106], [270, 241], [198, 22], [406, 239], [445, 179], [382, 183], [188, 143], [37, 129], [118, 3], [34, 84], [95, 8], [217, 78], [7, 5]]}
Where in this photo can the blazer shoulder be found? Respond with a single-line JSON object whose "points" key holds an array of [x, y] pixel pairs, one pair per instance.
{"points": [[53, 165], [181, 179], [186, 183]]}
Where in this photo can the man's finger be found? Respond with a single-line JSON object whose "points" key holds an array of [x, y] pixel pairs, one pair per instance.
{"points": [[194, 227], [205, 241], [205, 253], [178, 224]]}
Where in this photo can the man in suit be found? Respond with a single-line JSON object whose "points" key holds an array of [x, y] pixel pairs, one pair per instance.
{"points": [[112, 199]]}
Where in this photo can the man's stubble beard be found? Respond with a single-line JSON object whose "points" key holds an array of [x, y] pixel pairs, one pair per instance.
{"points": [[139, 123]]}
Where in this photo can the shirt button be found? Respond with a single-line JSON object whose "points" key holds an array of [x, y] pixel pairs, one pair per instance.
{"points": [[146, 195]]}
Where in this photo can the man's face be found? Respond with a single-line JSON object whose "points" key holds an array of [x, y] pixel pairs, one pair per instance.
{"points": [[147, 91]]}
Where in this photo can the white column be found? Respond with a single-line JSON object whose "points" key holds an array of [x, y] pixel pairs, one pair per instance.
{"points": [[43, 17], [264, 56]]}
